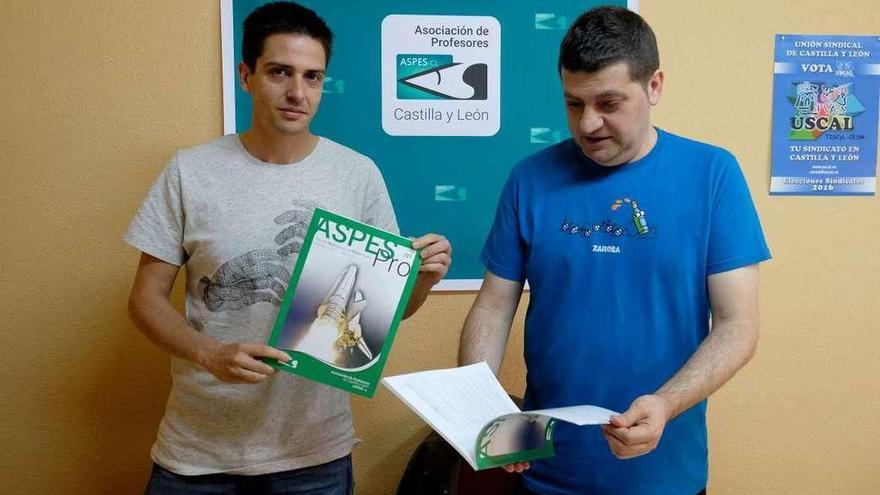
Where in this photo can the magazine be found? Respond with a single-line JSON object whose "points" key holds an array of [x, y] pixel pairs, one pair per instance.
{"points": [[346, 297], [472, 412]]}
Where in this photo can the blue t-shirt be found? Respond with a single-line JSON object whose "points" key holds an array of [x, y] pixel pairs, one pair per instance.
{"points": [[617, 260]]}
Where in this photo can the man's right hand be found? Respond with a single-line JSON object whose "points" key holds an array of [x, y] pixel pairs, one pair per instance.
{"points": [[238, 362]]}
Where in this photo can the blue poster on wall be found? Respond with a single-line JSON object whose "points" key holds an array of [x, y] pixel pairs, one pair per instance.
{"points": [[445, 97], [826, 90]]}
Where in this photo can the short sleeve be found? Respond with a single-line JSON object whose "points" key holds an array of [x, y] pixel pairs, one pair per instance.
{"points": [[735, 235], [158, 227], [378, 210], [504, 252]]}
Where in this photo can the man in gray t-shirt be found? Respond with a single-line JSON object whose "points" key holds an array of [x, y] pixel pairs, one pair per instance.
{"points": [[234, 212]]}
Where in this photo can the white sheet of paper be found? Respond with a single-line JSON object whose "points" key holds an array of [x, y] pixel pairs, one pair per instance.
{"points": [[579, 415], [456, 402]]}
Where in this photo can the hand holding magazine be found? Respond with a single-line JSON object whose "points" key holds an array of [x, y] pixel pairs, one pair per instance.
{"points": [[472, 412], [346, 297]]}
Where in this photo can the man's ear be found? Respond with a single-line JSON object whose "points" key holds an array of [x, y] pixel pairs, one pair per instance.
{"points": [[244, 73], [655, 87]]}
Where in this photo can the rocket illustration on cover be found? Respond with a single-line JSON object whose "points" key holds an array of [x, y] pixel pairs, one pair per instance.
{"points": [[337, 327]]}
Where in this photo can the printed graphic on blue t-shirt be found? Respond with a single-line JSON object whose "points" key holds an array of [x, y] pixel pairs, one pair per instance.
{"points": [[617, 260], [611, 227]]}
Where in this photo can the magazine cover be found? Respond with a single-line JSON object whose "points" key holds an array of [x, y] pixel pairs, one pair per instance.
{"points": [[513, 438], [346, 297]]}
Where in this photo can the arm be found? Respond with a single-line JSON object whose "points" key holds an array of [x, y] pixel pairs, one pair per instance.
{"points": [[730, 344], [487, 327], [152, 313], [436, 257]]}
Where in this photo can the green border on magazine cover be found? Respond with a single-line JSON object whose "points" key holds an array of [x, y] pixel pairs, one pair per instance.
{"points": [[485, 461], [362, 382]]}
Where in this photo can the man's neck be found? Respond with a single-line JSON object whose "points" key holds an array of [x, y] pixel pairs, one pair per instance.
{"points": [[647, 144], [281, 150]]}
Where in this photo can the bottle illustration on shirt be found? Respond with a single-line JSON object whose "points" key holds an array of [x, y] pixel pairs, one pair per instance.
{"points": [[639, 219], [337, 327]]}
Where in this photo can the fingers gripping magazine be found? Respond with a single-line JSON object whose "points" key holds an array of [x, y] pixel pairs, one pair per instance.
{"points": [[346, 297], [472, 412]]}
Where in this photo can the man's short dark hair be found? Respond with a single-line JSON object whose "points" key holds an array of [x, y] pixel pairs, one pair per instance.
{"points": [[281, 18], [606, 35]]}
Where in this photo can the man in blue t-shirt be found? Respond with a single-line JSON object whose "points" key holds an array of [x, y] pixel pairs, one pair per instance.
{"points": [[628, 237]]}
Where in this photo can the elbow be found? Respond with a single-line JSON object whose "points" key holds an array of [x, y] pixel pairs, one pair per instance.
{"points": [[134, 309], [752, 342]]}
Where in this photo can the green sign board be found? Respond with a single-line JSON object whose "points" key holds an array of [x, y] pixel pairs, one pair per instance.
{"points": [[445, 97]]}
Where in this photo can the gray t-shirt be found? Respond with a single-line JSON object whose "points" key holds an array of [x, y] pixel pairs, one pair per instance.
{"points": [[237, 224]]}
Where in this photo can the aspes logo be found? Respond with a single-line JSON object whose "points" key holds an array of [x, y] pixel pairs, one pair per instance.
{"points": [[438, 77], [820, 108], [441, 75]]}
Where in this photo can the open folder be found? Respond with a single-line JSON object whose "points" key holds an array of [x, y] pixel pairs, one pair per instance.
{"points": [[472, 412]]}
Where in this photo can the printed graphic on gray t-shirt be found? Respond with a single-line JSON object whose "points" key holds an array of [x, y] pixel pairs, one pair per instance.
{"points": [[260, 275]]}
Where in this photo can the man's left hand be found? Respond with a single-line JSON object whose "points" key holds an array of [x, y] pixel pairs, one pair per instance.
{"points": [[436, 258], [638, 430]]}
